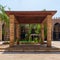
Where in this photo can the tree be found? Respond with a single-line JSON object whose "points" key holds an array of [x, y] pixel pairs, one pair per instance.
{"points": [[5, 20], [3, 15]]}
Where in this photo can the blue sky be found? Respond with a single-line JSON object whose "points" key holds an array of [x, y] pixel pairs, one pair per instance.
{"points": [[32, 5]]}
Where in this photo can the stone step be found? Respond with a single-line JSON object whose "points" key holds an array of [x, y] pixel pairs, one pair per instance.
{"points": [[30, 48]]}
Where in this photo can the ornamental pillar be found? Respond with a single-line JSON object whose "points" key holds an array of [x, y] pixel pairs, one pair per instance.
{"points": [[12, 18], [49, 30]]}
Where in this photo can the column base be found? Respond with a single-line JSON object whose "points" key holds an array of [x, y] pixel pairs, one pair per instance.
{"points": [[48, 45]]}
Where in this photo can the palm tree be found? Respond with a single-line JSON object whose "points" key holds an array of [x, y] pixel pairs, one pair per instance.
{"points": [[4, 19], [3, 15]]}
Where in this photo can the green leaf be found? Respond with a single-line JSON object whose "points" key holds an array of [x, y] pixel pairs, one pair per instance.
{"points": [[3, 15]]}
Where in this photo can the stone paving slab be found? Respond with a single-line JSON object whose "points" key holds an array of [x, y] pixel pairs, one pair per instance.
{"points": [[29, 55], [56, 44]]}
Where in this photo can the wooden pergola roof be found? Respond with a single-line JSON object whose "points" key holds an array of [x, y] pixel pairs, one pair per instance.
{"points": [[30, 16]]}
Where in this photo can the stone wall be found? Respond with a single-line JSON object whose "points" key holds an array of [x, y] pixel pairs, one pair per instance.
{"points": [[55, 20], [55, 34]]}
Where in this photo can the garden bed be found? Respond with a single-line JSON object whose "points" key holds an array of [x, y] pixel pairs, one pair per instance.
{"points": [[28, 42]]}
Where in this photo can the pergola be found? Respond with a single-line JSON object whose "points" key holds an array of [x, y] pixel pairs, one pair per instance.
{"points": [[29, 17]]}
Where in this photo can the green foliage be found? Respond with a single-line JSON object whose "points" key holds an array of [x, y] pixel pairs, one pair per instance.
{"points": [[38, 28], [3, 15], [4, 18], [36, 40]]}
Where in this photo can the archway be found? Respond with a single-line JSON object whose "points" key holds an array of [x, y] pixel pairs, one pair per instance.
{"points": [[3, 32], [56, 32]]}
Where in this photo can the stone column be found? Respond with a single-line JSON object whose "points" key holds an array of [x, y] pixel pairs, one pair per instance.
{"points": [[49, 30], [12, 18], [18, 32], [0, 31], [42, 32]]}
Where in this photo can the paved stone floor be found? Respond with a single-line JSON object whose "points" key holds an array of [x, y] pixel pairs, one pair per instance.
{"points": [[29, 55], [32, 55], [56, 44]]}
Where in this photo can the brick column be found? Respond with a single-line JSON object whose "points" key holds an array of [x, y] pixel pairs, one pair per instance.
{"points": [[49, 30], [12, 18], [42, 32], [17, 32], [0, 31]]}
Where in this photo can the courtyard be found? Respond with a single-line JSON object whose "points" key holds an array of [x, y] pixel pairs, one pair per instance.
{"points": [[29, 30], [30, 56], [5, 55]]}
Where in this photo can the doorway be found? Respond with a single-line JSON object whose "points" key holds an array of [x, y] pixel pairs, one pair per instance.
{"points": [[56, 32]]}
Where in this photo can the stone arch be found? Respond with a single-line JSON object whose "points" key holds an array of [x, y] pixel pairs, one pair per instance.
{"points": [[2, 32], [4, 35], [1, 24], [56, 31]]}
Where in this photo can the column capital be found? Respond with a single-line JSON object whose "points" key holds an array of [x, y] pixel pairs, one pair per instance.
{"points": [[49, 18]]}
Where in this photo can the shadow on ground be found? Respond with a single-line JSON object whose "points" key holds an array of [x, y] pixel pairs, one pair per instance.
{"points": [[31, 52]]}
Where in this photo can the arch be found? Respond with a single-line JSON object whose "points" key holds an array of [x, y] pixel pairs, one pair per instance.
{"points": [[56, 31], [3, 31]]}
